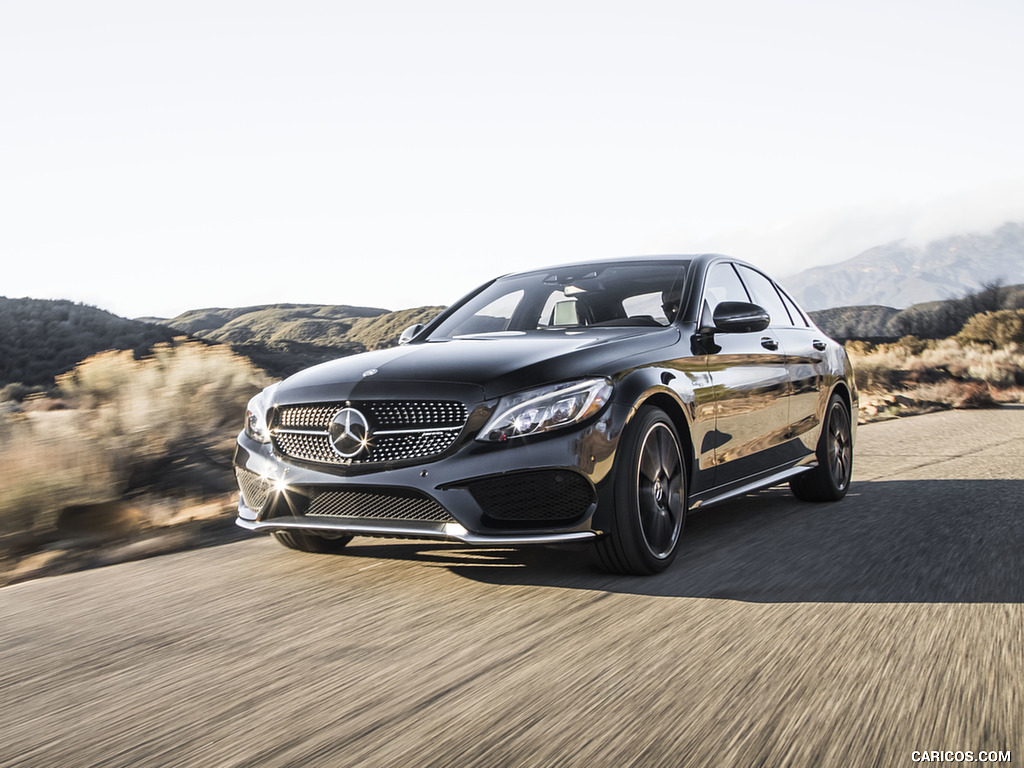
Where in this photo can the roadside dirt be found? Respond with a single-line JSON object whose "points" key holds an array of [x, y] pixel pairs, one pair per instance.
{"points": [[116, 538]]}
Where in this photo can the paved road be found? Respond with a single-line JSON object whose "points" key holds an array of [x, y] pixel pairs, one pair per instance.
{"points": [[787, 634]]}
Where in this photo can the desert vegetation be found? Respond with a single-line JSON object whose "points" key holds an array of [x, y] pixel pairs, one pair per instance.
{"points": [[981, 366], [154, 432]]}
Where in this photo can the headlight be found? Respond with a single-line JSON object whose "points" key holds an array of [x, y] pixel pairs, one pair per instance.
{"points": [[541, 410], [256, 415]]}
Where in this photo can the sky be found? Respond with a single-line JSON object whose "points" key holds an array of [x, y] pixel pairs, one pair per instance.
{"points": [[160, 157]]}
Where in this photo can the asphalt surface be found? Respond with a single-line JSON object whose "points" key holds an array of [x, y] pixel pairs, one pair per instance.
{"points": [[844, 634]]}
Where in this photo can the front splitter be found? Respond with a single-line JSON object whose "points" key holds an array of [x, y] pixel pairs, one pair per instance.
{"points": [[441, 531]]}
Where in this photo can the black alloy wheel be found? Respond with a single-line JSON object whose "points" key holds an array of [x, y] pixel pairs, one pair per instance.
{"points": [[650, 498], [306, 541], [830, 480]]}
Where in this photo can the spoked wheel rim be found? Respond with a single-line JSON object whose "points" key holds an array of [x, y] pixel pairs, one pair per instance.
{"points": [[659, 490], [840, 447]]}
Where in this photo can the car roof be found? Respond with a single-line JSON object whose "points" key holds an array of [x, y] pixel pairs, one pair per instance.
{"points": [[696, 259]]}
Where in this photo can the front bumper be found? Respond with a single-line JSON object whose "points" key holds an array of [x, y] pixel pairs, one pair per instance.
{"points": [[451, 483]]}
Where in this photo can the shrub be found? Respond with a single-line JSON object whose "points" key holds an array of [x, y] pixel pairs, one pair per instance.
{"points": [[49, 462], [913, 345], [999, 329], [16, 392], [130, 423]]}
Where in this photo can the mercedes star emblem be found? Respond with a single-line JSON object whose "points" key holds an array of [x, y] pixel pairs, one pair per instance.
{"points": [[350, 433]]}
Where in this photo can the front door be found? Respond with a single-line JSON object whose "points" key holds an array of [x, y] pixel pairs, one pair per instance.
{"points": [[752, 388]]}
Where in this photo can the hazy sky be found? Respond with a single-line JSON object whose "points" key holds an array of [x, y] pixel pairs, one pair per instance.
{"points": [[157, 157]]}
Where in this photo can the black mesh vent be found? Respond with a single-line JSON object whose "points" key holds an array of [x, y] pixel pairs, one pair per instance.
{"points": [[378, 505], [547, 497], [255, 489]]}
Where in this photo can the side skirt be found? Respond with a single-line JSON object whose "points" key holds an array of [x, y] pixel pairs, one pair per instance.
{"points": [[717, 495]]}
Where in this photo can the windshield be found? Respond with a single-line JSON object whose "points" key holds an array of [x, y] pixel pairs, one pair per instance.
{"points": [[642, 294]]}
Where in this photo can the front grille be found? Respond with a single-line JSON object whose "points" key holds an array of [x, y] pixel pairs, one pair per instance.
{"points": [[399, 430], [548, 496], [378, 505], [255, 488]]}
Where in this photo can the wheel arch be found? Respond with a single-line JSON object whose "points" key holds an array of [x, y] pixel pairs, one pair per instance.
{"points": [[680, 420]]}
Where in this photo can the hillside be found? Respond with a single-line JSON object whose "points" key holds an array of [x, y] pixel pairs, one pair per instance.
{"points": [[271, 322], [40, 338], [870, 322], [927, 320], [899, 275], [284, 338]]}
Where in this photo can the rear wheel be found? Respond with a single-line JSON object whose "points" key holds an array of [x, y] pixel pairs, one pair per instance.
{"points": [[830, 480], [650, 498], [306, 541]]}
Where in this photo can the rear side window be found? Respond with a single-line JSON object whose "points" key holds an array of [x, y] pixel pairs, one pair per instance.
{"points": [[764, 293], [722, 284], [798, 319]]}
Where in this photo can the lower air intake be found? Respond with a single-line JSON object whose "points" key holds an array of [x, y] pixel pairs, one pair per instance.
{"points": [[378, 505], [548, 497]]}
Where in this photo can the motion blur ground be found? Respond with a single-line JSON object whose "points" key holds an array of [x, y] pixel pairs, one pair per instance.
{"points": [[789, 634]]}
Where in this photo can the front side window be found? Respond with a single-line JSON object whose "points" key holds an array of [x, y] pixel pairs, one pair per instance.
{"points": [[722, 284]]}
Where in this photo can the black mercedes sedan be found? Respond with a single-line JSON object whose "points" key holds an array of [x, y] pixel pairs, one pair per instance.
{"points": [[591, 402]]}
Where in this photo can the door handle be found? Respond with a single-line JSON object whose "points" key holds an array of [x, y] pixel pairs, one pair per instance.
{"points": [[819, 345], [769, 343]]}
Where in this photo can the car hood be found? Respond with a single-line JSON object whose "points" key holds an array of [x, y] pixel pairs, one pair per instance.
{"points": [[488, 365]]}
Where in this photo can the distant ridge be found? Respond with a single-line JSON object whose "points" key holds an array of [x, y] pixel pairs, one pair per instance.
{"points": [[899, 275], [284, 338], [41, 338], [268, 321], [927, 320]]}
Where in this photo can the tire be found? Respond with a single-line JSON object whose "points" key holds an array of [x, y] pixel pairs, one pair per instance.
{"points": [[830, 480], [650, 498], [305, 541]]}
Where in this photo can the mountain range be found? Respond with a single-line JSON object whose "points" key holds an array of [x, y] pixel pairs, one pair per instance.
{"points": [[899, 274]]}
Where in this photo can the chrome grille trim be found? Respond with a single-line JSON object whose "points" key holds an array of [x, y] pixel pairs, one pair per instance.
{"points": [[378, 505], [255, 489], [404, 415], [400, 430]]}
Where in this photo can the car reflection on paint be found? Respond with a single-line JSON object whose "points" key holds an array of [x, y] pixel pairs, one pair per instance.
{"points": [[593, 402]]}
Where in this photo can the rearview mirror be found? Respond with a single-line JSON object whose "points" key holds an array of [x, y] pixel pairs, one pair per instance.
{"points": [[740, 317], [410, 333]]}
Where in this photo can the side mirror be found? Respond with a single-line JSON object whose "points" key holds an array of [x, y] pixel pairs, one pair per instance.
{"points": [[740, 317], [410, 333]]}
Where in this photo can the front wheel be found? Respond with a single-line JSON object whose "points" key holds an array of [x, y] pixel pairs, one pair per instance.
{"points": [[830, 480], [650, 498], [305, 541]]}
